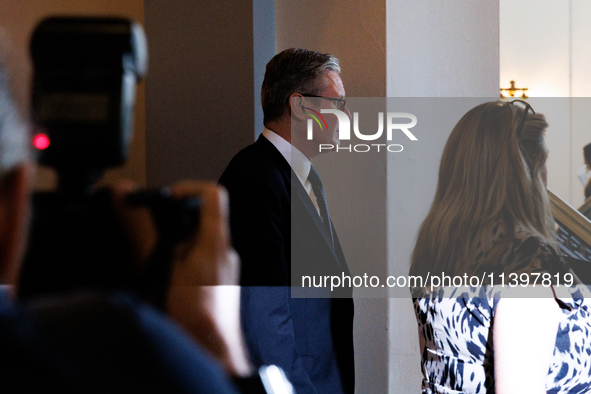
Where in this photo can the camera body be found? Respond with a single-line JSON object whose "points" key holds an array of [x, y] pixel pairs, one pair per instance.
{"points": [[85, 75], [84, 86]]}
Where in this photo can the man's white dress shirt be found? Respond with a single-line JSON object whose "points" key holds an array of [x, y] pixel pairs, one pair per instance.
{"points": [[298, 162]]}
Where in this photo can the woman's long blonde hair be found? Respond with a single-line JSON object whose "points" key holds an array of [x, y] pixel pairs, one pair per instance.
{"points": [[487, 173]]}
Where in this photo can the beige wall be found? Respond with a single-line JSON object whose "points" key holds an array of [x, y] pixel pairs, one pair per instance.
{"points": [[351, 30], [200, 91], [18, 18]]}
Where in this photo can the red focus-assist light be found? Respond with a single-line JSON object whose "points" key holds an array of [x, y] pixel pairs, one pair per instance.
{"points": [[41, 141]]}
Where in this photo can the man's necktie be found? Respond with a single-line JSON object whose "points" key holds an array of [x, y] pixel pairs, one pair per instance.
{"points": [[318, 189]]}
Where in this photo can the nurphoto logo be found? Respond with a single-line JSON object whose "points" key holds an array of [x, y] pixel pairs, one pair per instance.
{"points": [[392, 120]]}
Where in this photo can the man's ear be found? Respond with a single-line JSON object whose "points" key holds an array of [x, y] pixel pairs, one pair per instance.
{"points": [[14, 212], [297, 103]]}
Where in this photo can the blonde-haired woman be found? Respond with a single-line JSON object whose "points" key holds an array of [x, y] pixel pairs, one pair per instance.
{"points": [[491, 218]]}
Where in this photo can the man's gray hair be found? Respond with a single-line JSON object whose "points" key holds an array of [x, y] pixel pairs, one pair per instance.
{"points": [[293, 71], [14, 141]]}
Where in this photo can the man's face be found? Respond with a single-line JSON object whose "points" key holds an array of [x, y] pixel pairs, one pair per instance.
{"points": [[333, 88], [331, 96]]}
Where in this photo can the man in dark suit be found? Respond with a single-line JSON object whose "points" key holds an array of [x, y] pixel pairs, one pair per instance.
{"points": [[282, 231]]}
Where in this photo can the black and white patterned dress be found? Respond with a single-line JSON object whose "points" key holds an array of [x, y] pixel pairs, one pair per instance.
{"points": [[456, 325]]}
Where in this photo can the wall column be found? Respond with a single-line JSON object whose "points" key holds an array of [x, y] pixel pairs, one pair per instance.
{"points": [[205, 59]]}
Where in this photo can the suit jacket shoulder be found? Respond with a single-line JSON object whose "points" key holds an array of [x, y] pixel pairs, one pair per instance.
{"points": [[259, 164]]}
